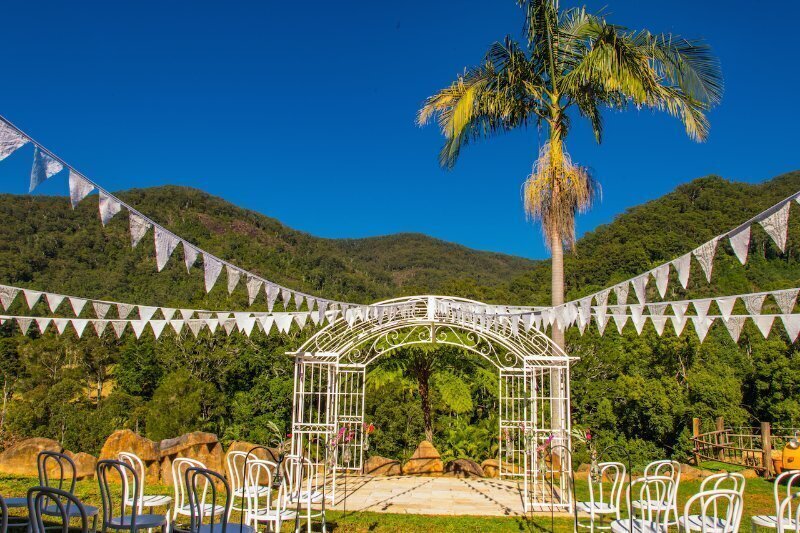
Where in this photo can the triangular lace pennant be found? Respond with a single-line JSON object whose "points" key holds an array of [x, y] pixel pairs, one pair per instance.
{"points": [[620, 320], [10, 140], [705, 256], [640, 286], [24, 324], [158, 327], [138, 228], [286, 297], [735, 325], [124, 310], [101, 309], [764, 323], [272, 292], [322, 306], [679, 308], [43, 323], [204, 315], [79, 188], [53, 301], [753, 303], [283, 321], [147, 312], [621, 290], [138, 327], [740, 242], [248, 325], [80, 325], [108, 206], [31, 297], [602, 297], [253, 287], [658, 323], [61, 324], [701, 307], [7, 294], [701, 326], [661, 275], [301, 319], [637, 318], [683, 266], [657, 309], [786, 300], [791, 323], [187, 314], [678, 323], [211, 269], [44, 167], [99, 326], [168, 312], [212, 324], [233, 278], [266, 323], [195, 326], [119, 327], [726, 306], [166, 243], [777, 225], [228, 325], [190, 254], [311, 302], [77, 305], [602, 320], [177, 325]]}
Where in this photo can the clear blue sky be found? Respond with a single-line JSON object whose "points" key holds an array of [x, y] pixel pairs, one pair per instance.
{"points": [[304, 111]]}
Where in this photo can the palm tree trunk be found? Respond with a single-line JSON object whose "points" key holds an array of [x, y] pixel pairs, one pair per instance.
{"points": [[557, 282]]}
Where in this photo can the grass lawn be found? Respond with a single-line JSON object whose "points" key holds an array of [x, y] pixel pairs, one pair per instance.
{"points": [[758, 500]]}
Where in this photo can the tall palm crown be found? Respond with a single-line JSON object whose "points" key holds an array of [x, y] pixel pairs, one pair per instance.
{"points": [[571, 60]]}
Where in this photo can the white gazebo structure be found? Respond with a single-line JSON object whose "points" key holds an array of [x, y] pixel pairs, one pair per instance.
{"points": [[534, 429]]}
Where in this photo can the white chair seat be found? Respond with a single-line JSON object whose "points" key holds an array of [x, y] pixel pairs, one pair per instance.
{"points": [[771, 521], [707, 524], [206, 509], [315, 497], [272, 515], [249, 491], [595, 507], [653, 505], [152, 500], [636, 526]]}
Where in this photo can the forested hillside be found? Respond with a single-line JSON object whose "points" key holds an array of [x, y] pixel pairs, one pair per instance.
{"points": [[638, 391]]}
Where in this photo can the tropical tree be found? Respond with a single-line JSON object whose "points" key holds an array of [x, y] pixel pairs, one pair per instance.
{"points": [[572, 61]]}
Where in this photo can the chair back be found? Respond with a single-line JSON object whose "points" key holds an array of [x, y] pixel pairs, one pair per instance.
{"points": [[790, 478], [608, 487], [128, 489], [194, 477], [650, 491], [715, 506], [62, 502], [785, 513], [235, 465], [179, 467], [734, 481], [259, 474], [57, 471], [118, 471], [4, 518], [299, 476]]}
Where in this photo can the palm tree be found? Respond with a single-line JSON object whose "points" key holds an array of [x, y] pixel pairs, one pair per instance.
{"points": [[572, 61]]}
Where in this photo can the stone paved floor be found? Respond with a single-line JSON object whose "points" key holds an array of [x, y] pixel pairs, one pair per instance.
{"points": [[430, 495]]}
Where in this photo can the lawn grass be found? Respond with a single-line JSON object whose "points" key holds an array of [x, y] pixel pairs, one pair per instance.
{"points": [[758, 500]]}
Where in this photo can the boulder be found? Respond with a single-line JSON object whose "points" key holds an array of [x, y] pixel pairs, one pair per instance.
{"points": [[691, 473], [583, 471], [464, 468], [425, 460], [198, 445], [381, 466], [85, 464], [270, 454], [125, 440], [491, 468], [20, 459], [749, 473]]}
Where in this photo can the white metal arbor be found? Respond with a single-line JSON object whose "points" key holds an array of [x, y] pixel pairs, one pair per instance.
{"points": [[534, 429]]}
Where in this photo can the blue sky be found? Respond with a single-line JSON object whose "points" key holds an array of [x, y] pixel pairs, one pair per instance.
{"points": [[304, 111]]}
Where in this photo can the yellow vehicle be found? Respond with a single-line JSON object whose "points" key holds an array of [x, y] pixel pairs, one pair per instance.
{"points": [[791, 454]]}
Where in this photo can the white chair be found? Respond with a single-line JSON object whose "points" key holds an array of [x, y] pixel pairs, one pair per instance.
{"points": [[149, 501], [235, 463], [182, 507], [261, 507], [668, 505], [652, 517], [302, 490], [790, 478], [785, 521], [604, 496], [720, 512]]}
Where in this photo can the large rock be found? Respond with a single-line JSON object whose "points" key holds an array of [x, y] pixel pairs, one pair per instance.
{"points": [[426, 460], [464, 468], [491, 468], [691, 473], [381, 466], [20, 459], [125, 440], [85, 464], [268, 454], [201, 446]]}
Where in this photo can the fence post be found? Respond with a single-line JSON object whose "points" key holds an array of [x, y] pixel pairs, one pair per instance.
{"points": [[766, 448], [695, 434], [721, 440]]}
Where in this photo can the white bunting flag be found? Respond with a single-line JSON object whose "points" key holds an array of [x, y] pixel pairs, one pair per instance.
{"points": [[158, 327], [678, 323], [195, 326], [253, 288], [212, 324], [701, 307], [24, 324], [187, 314], [247, 325], [61, 324], [658, 323], [272, 295], [302, 318], [101, 309], [31, 297], [735, 325], [602, 320], [701, 326], [138, 327], [138, 228], [119, 327], [168, 312], [726, 306], [679, 308], [311, 302], [764, 323], [204, 315], [740, 242], [657, 309], [619, 320], [637, 317], [108, 206], [166, 243], [8, 294], [661, 275], [705, 256], [621, 290], [177, 325], [53, 301], [602, 297], [791, 323], [233, 278], [283, 321], [265, 323], [123, 310], [10, 140], [682, 266], [190, 254], [786, 300], [212, 268], [777, 225], [43, 322], [322, 306], [77, 305], [640, 286], [753, 303], [147, 312], [99, 326], [44, 167], [79, 188], [80, 325], [286, 297]]}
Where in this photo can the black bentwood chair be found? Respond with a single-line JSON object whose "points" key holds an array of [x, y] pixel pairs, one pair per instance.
{"points": [[133, 521], [58, 471], [199, 482], [65, 506]]}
